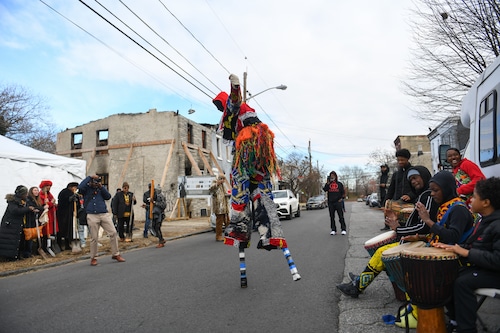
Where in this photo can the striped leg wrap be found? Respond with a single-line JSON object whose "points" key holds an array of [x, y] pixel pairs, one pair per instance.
{"points": [[291, 264], [243, 268]]}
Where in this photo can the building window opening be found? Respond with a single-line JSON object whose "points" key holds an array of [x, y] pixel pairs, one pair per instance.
{"points": [[102, 138], [190, 133], [204, 139], [102, 141], [218, 143], [76, 140]]}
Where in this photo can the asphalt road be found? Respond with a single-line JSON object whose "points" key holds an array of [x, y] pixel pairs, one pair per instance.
{"points": [[191, 285]]}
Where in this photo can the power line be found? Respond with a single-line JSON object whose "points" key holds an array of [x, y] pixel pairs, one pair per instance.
{"points": [[115, 51], [194, 37], [157, 34], [142, 47]]}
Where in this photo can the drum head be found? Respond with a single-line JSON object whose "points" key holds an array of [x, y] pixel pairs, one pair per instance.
{"points": [[428, 253], [381, 237], [396, 250]]}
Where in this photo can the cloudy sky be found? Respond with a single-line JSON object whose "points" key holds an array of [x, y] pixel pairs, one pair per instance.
{"points": [[343, 63]]}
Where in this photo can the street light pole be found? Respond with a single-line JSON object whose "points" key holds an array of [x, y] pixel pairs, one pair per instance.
{"points": [[280, 87]]}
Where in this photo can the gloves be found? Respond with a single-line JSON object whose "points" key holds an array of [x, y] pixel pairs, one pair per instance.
{"points": [[235, 81]]}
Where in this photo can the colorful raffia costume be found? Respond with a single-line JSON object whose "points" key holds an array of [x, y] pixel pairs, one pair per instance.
{"points": [[254, 162]]}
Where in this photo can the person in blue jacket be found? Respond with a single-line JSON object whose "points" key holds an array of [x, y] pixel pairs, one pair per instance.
{"points": [[94, 198]]}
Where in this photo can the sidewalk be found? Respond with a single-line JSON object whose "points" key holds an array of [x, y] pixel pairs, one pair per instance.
{"points": [[364, 314]]}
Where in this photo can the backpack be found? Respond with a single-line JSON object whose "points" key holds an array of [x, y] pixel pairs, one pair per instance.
{"points": [[160, 204]]}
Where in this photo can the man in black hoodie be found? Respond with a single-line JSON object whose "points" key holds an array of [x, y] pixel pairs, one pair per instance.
{"points": [[383, 183], [336, 195], [400, 188]]}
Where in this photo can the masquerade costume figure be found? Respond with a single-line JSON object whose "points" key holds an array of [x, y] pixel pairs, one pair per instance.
{"points": [[254, 161]]}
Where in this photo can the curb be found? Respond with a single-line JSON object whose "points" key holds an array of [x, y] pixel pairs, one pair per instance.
{"points": [[87, 257]]}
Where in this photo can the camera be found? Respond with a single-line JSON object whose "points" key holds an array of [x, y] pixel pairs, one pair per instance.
{"points": [[97, 180]]}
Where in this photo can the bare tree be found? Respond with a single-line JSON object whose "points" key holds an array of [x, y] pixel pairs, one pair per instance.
{"points": [[293, 170], [455, 41], [353, 178], [24, 118], [298, 175], [380, 157]]}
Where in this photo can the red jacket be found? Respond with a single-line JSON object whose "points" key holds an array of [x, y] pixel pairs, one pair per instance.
{"points": [[467, 173]]}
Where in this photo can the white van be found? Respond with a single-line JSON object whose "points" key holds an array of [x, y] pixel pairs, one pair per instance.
{"points": [[481, 113]]}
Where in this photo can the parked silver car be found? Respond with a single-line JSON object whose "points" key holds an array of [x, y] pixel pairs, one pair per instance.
{"points": [[373, 200], [317, 202]]}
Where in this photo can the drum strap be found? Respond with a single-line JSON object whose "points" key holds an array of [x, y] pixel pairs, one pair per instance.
{"points": [[442, 221], [466, 235]]}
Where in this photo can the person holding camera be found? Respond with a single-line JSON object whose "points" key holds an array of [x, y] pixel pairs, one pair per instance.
{"points": [[95, 196], [336, 195]]}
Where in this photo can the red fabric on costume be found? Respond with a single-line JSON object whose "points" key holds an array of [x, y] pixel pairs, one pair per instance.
{"points": [[278, 242]]}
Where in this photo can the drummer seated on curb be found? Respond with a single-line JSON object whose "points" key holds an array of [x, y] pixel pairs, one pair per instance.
{"points": [[479, 256], [426, 222]]}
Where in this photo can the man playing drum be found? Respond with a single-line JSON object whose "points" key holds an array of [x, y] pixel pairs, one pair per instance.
{"points": [[400, 189], [419, 178]]}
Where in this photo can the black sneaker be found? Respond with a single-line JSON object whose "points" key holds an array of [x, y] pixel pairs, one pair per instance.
{"points": [[349, 289]]}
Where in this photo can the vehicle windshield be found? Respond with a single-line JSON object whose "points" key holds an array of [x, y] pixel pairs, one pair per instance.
{"points": [[315, 199], [280, 194]]}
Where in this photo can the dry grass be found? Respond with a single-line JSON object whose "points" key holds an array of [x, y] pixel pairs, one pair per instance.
{"points": [[67, 256]]}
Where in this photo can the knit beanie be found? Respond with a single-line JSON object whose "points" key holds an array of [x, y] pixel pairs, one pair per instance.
{"points": [[20, 190]]}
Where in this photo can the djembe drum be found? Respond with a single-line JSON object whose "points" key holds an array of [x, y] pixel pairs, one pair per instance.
{"points": [[392, 261], [429, 275], [374, 243], [402, 209]]}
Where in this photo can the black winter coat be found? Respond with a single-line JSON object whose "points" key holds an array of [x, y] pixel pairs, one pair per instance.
{"points": [[118, 205], [400, 185], [31, 216], [484, 244], [65, 209], [11, 228]]}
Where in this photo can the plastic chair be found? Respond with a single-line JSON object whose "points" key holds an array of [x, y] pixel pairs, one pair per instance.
{"points": [[483, 293]]}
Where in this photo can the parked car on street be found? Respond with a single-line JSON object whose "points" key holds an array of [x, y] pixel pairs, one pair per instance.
{"points": [[367, 200], [317, 202], [286, 204], [373, 201]]}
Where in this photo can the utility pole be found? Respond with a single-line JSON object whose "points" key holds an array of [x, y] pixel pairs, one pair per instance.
{"points": [[310, 157], [244, 87]]}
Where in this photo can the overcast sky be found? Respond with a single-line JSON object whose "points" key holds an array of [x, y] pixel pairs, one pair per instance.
{"points": [[343, 63]]}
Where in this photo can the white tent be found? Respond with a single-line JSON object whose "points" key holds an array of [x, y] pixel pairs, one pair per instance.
{"points": [[22, 165]]}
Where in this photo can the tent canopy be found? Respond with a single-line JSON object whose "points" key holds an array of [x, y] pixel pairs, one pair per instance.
{"points": [[22, 165]]}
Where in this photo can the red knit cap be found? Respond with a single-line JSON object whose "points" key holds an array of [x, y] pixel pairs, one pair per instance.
{"points": [[45, 183]]}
